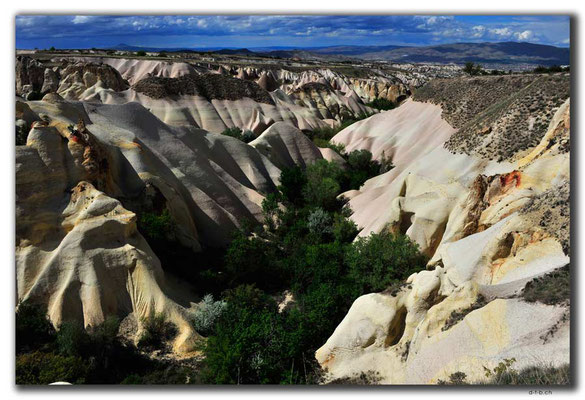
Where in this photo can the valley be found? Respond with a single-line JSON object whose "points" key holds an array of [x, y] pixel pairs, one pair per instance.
{"points": [[244, 217]]}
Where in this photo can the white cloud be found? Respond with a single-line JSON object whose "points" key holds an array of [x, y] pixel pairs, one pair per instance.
{"points": [[478, 31], [81, 19], [501, 32], [526, 35]]}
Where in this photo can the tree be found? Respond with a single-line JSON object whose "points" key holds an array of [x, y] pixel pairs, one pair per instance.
{"points": [[292, 181], [141, 53], [472, 68], [383, 258], [322, 184]]}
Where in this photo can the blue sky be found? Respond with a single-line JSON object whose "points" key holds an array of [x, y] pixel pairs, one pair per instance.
{"points": [[200, 31]]}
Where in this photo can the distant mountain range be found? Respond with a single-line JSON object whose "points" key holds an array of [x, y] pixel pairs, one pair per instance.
{"points": [[487, 53]]}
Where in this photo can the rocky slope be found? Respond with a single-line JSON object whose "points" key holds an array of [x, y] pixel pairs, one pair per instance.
{"points": [[207, 96], [490, 221], [84, 177]]}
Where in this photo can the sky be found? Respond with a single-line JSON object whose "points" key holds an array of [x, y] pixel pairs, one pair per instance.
{"points": [[238, 31]]}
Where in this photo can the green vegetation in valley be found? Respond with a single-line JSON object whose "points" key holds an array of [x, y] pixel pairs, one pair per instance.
{"points": [[322, 136], [381, 103], [305, 246], [245, 136]]}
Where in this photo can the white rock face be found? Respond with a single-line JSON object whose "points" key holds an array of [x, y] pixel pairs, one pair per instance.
{"points": [[286, 146], [478, 221], [134, 70], [78, 249], [87, 261]]}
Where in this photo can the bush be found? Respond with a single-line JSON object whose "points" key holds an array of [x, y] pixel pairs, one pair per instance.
{"points": [[72, 340], [456, 378], [458, 315], [322, 184], [533, 376], [141, 53], [319, 222], [207, 315], [322, 136], [40, 368], [244, 349], [344, 229], [156, 331], [292, 181], [361, 168], [472, 69], [552, 288], [33, 328], [382, 258], [252, 260], [156, 226], [548, 70], [246, 136], [381, 103]]}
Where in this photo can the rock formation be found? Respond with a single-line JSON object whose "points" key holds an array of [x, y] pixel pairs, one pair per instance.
{"points": [[486, 227]]}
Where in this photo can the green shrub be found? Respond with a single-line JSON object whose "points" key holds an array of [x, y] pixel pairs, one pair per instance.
{"points": [[141, 53], [344, 229], [40, 368], [248, 136], [252, 260], [552, 288], [270, 209], [207, 315], [33, 328], [156, 331], [322, 136], [244, 349], [472, 69], [319, 222], [361, 167], [292, 181], [381, 103], [72, 340], [458, 315], [533, 376], [379, 259], [538, 375], [456, 378], [156, 226], [245, 136], [21, 133], [322, 185]]}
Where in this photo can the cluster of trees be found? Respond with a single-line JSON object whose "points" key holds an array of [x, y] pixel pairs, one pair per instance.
{"points": [[551, 70], [306, 246]]}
